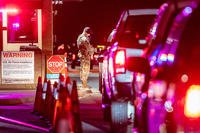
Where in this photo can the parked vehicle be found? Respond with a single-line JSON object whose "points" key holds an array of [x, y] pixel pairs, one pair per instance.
{"points": [[127, 41], [172, 62]]}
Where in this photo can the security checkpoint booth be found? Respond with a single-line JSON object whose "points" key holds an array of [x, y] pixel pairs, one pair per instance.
{"points": [[26, 39]]}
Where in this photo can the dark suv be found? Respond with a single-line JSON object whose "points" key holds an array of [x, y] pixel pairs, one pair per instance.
{"points": [[156, 39], [173, 58], [127, 40]]}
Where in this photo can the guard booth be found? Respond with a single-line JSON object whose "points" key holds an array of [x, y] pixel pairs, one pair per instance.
{"points": [[26, 39]]}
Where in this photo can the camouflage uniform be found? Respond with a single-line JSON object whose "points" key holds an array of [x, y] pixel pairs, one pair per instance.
{"points": [[85, 52]]}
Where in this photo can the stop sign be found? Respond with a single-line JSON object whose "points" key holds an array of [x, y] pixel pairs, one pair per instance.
{"points": [[55, 64]]}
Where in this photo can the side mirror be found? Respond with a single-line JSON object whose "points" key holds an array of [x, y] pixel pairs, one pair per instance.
{"points": [[138, 64]]}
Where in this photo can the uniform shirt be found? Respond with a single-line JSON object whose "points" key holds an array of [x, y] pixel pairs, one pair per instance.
{"points": [[84, 46]]}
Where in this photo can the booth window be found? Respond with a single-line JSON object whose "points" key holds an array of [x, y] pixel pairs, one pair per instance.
{"points": [[23, 27]]}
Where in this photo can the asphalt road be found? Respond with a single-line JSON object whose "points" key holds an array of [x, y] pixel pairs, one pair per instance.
{"points": [[90, 105], [90, 111]]}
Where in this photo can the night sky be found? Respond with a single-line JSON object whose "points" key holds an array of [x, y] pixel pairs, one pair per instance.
{"points": [[100, 15]]}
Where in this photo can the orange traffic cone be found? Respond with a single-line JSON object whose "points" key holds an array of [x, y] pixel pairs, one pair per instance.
{"points": [[68, 85], [48, 100], [42, 105], [64, 121], [62, 94], [76, 109], [66, 68], [55, 90], [53, 100], [38, 96], [61, 81]]}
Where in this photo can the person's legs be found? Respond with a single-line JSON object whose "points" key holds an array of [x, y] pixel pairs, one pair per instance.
{"points": [[84, 72]]}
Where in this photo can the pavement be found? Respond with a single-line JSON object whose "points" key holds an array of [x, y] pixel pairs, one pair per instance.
{"points": [[14, 97], [16, 107]]}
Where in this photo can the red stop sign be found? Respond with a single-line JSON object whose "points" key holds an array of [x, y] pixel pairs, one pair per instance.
{"points": [[55, 64]]}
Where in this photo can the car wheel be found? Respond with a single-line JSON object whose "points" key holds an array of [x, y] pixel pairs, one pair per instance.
{"points": [[105, 105], [106, 113], [119, 117]]}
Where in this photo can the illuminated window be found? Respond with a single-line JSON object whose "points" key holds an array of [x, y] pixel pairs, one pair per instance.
{"points": [[23, 27]]}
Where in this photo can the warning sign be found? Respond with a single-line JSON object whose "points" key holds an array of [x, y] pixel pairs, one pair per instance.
{"points": [[55, 64], [17, 67]]}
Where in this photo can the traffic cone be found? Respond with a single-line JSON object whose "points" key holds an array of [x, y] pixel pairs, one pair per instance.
{"points": [[76, 109], [55, 90], [61, 81], [38, 96], [42, 105], [53, 100], [68, 85], [64, 121], [48, 100], [62, 94], [56, 103], [66, 67]]}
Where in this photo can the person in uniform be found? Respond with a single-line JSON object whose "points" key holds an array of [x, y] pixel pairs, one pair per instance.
{"points": [[85, 52]]}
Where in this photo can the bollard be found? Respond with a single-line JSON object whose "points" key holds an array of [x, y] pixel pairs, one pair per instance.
{"points": [[38, 96], [76, 108]]}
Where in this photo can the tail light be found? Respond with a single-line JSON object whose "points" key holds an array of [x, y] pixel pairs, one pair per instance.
{"points": [[73, 57], [120, 61], [192, 102]]}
